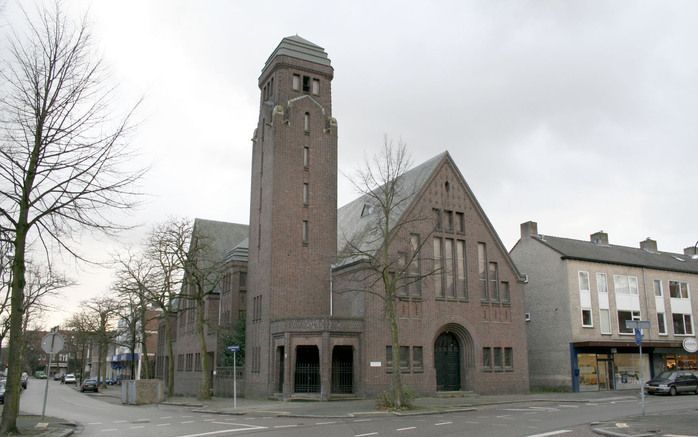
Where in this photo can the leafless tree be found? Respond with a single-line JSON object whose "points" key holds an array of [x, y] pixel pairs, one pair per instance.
{"points": [[79, 326], [100, 317], [166, 252], [383, 252], [62, 155]]}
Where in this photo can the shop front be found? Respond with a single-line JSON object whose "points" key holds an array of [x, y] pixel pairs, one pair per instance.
{"points": [[599, 366]]}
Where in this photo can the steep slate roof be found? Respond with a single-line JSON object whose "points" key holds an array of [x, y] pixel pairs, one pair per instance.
{"points": [[352, 227], [621, 255], [219, 237], [300, 48]]}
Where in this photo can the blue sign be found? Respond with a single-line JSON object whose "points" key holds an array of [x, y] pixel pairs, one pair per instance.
{"points": [[638, 336], [233, 348]]}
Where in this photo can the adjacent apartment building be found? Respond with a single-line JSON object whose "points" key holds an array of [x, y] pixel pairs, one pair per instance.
{"points": [[579, 296]]}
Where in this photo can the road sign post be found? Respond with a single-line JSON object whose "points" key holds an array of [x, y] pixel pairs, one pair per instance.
{"points": [[637, 326], [52, 343], [234, 348]]}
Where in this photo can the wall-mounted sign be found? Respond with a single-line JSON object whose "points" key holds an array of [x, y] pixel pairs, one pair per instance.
{"points": [[376, 363], [690, 344]]}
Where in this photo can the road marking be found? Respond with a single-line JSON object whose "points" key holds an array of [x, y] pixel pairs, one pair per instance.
{"points": [[163, 424], [568, 406], [517, 409], [470, 422], [166, 417], [187, 421], [546, 434], [406, 429], [138, 427], [187, 417], [95, 423], [325, 423], [225, 431], [361, 420], [678, 435], [109, 430], [442, 423], [503, 416], [284, 426], [365, 435]]}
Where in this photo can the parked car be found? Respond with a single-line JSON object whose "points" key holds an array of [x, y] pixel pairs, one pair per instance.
{"points": [[89, 384], [40, 374], [70, 379], [673, 382], [2, 392], [24, 379], [58, 377]]}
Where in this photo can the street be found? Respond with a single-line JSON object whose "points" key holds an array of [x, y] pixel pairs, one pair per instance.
{"points": [[99, 416]]}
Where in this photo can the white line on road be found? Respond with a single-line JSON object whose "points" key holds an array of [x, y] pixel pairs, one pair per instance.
{"points": [[95, 423], [546, 434], [406, 429], [187, 421], [163, 424], [285, 426], [470, 422], [361, 420], [568, 406], [677, 435], [442, 423], [109, 430], [224, 431], [365, 435], [325, 423], [166, 417], [137, 427]]}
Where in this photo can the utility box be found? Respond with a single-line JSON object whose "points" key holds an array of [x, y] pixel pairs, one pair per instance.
{"points": [[142, 391]]}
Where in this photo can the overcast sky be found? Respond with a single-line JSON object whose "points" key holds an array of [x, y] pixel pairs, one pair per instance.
{"points": [[582, 116]]}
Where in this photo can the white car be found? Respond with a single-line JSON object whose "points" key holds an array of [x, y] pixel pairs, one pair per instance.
{"points": [[70, 379]]}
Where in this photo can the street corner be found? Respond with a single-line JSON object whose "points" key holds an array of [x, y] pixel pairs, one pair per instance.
{"points": [[623, 429]]}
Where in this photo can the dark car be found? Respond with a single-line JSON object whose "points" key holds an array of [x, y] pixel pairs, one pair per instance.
{"points": [[673, 382], [89, 385]]}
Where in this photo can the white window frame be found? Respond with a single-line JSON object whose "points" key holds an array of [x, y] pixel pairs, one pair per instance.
{"points": [[627, 278], [603, 289], [591, 318], [683, 319], [661, 288], [634, 315], [666, 331], [688, 290], [579, 278]]}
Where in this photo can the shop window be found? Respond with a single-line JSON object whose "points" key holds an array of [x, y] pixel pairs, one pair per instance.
{"points": [[683, 325], [623, 316]]}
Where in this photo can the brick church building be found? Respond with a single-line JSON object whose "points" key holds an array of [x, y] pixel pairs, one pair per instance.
{"points": [[462, 329]]}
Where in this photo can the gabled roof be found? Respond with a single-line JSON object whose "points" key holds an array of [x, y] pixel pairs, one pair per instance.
{"points": [[219, 237], [620, 255], [355, 223], [297, 47]]}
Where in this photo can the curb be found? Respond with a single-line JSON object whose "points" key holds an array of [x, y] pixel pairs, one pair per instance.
{"points": [[609, 433]]}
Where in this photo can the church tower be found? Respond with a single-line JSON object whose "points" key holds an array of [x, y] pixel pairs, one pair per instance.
{"points": [[293, 213]]}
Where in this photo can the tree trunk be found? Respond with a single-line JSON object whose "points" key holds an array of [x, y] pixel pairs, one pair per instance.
{"points": [[144, 348], [396, 377], [170, 356], [205, 389], [14, 368]]}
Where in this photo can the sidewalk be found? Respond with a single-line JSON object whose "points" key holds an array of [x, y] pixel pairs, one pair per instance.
{"points": [[679, 424], [31, 425]]}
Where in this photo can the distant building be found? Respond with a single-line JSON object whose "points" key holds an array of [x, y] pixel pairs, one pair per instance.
{"points": [[123, 359], [579, 296]]}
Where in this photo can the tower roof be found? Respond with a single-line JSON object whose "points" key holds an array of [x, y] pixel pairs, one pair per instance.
{"points": [[297, 47]]}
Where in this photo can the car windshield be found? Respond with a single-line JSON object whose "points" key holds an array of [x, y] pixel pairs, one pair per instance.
{"points": [[665, 375]]}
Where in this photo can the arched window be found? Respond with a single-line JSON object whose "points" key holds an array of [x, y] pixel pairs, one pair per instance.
{"points": [[306, 122]]}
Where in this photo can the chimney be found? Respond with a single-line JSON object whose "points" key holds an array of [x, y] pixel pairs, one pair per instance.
{"points": [[649, 245], [599, 237], [529, 229], [690, 251]]}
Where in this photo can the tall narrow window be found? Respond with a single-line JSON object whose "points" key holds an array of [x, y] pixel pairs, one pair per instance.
{"points": [[658, 292], [605, 320], [438, 284], [498, 361], [404, 358], [661, 323], [601, 283], [505, 292], [482, 269], [508, 358], [296, 82], [487, 358], [460, 222], [306, 194], [448, 266], [461, 290], [493, 276], [316, 87], [306, 156], [306, 122], [305, 232], [417, 359], [437, 219], [306, 84], [414, 268], [449, 220]]}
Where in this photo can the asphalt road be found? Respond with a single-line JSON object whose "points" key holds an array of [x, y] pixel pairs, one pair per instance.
{"points": [[105, 418]]}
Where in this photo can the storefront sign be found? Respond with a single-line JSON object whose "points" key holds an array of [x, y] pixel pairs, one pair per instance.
{"points": [[690, 344]]}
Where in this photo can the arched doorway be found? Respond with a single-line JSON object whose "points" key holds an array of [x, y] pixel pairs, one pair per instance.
{"points": [[447, 360]]}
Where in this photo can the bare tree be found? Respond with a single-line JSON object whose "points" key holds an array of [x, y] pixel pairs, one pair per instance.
{"points": [[384, 254], [166, 252], [79, 326], [62, 156], [100, 318]]}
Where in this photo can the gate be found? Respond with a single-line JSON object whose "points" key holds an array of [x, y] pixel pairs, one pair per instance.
{"points": [[447, 362]]}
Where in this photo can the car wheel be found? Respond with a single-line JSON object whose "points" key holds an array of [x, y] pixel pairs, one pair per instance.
{"points": [[672, 391]]}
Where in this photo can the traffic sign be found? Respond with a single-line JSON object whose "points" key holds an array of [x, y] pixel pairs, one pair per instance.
{"points": [[52, 343], [233, 348], [638, 336]]}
